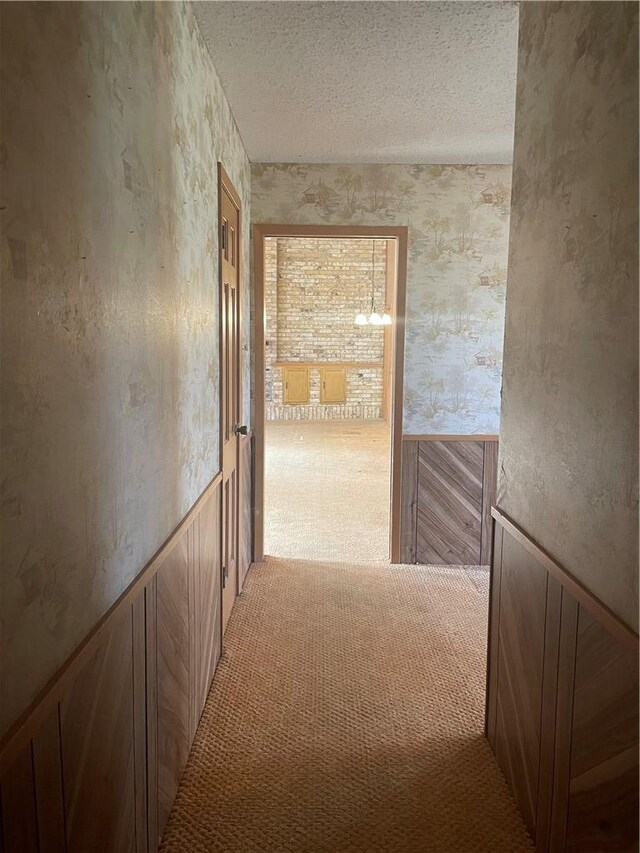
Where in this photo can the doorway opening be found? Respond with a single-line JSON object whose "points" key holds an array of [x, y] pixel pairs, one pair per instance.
{"points": [[328, 417]]}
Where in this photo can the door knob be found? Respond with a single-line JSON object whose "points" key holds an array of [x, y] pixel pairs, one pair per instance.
{"points": [[241, 430]]}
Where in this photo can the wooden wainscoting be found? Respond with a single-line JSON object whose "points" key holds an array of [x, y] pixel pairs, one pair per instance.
{"points": [[562, 701], [448, 488], [95, 763]]}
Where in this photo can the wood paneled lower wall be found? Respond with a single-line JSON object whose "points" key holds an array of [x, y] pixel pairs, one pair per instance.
{"points": [[448, 488], [95, 764], [562, 701]]}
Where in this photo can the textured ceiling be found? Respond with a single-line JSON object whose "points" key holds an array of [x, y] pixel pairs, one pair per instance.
{"points": [[349, 82]]}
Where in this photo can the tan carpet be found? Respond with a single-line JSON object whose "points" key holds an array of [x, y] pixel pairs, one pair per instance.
{"points": [[347, 710], [327, 486]]}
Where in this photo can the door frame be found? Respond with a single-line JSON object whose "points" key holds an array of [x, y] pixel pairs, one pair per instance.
{"points": [[226, 185], [382, 232]]}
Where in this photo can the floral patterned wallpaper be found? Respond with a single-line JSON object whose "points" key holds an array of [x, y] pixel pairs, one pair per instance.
{"points": [[458, 220], [113, 121]]}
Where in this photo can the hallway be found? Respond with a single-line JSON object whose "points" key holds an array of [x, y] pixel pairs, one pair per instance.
{"points": [[346, 713], [432, 222]]}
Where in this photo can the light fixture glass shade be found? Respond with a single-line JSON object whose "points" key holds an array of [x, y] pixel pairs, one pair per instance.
{"points": [[375, 319], [386, 319], [360, 320]]}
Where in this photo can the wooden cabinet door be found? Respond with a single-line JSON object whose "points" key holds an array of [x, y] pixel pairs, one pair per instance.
{"points": [[333, 385], [296, 385]]}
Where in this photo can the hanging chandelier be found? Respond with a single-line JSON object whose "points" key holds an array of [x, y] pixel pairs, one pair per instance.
{"points": [[374, 318]]}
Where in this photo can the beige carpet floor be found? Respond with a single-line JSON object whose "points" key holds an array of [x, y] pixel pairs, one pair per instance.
{"points": [[346, 713], [327, 487]]}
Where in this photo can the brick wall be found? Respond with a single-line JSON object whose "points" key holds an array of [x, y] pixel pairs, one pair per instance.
{"points": [[313, 290]]}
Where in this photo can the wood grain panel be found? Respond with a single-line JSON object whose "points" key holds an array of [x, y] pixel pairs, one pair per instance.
{"points": [[193, 590], [449, 502], [523, 594], [96, 763], [151, 663], [245, 549], [21, 732], [47, 765], [562, 736], [139, 720], [493, 639], [173, 683], [19, 820], [446, 497], [562, 703], [230, 530], [409, 502], [97, 727], [489, 489], [603, 791], [208, 627], [548, 712]]}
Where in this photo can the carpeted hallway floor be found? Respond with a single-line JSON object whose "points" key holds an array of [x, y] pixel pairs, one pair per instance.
{"points": [[347, 710]]}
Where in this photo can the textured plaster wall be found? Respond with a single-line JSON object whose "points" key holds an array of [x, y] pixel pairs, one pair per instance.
{"points": [[113, 121], [314, 289], [569, 437], [458, 220]]}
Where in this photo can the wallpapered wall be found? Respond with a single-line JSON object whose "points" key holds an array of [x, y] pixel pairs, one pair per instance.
{"points": [[569, 438], [113, 121], [458, 219]]}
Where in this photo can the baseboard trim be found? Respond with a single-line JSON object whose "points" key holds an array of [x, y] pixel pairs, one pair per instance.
{"points": [[625, 635], [25, 727]]}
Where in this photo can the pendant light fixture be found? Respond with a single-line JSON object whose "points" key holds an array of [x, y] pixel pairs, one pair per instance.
{"points": [[374, 318]]}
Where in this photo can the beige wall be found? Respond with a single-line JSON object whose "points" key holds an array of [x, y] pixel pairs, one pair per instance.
{"points": [[313, 290], [569, 419], [113, 121]]}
